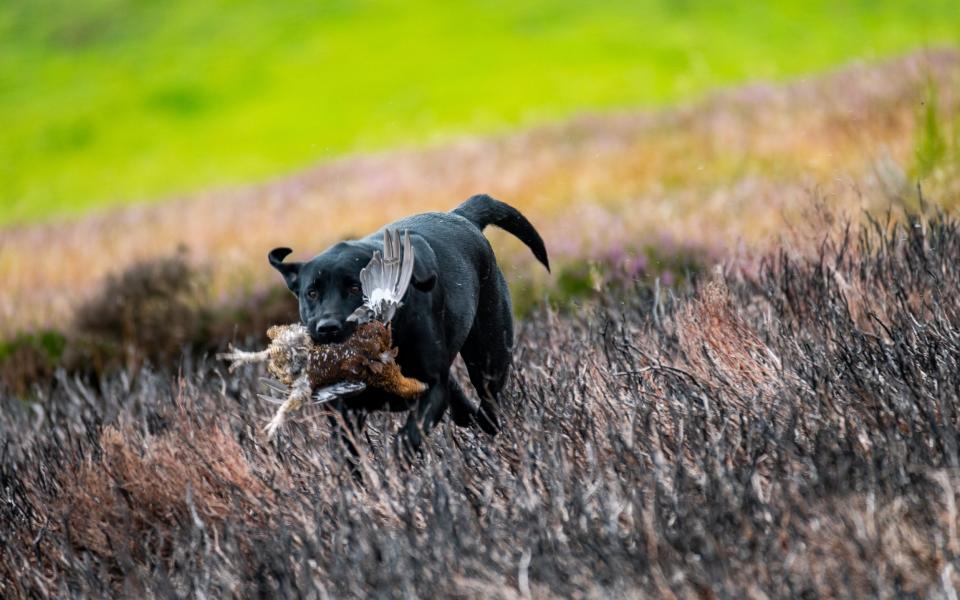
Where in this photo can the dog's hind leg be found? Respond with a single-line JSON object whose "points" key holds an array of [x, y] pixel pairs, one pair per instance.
{"points": [[466, 414], [487, 352], [461, 408], [488, 374]]}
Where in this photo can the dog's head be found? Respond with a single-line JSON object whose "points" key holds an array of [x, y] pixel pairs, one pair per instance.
{"points": [[328, 286]]}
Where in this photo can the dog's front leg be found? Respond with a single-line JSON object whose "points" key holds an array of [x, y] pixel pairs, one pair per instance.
{"points": [[422, 419]]}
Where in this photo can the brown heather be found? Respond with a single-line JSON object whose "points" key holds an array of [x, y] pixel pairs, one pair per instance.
{"points": [[788, 431]]}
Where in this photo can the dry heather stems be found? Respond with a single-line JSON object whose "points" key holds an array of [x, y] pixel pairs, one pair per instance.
{"points": [[628, 464]]}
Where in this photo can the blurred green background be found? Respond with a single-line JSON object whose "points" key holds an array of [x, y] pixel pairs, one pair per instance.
{"points": [[110, 101]]}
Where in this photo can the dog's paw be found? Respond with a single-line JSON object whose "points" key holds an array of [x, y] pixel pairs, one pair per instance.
{"points": [[487, 419], [409, 443]]}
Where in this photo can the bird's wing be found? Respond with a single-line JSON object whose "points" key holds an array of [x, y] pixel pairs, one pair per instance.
{"points": [[406, 267], [275, 392], [372, 275], [391, 258], [342, 389], [385, 279]]}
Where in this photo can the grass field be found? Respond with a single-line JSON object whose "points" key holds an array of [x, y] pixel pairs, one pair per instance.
{"points": [[108, 101]]}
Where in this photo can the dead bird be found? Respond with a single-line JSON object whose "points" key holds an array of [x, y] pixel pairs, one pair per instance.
{"points": [[324, 372]]}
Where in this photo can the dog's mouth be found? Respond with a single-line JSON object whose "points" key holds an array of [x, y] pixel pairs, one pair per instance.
{"points": [[329, 338]]}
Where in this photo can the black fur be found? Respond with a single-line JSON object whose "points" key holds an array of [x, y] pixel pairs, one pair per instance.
{"points": [[458, 303]]}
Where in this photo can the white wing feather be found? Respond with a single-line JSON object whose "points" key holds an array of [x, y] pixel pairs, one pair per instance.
{"points": [[385, 279]]}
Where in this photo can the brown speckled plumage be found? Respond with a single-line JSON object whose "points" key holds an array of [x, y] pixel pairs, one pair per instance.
{"points": [[295, 360], [366, 356]]}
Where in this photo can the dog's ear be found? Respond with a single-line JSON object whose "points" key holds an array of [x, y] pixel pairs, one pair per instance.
{"points": [[424, 283], [424, 265], [290, 271]]}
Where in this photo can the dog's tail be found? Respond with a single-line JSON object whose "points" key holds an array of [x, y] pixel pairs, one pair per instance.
{"points": [[482, 210]]}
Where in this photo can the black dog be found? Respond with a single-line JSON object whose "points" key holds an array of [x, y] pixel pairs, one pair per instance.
{"points": [[458, 302]]}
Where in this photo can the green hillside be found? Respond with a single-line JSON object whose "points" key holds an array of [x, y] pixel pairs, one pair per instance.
{"points": [[106, 101]]}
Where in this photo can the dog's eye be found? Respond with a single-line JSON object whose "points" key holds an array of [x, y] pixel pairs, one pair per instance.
{"points": [[312, 294], [355, 289]]}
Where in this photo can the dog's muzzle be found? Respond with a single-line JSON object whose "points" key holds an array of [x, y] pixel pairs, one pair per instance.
{"points": [[326, 331]]}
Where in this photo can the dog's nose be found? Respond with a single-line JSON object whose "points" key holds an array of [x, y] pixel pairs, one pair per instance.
{"points": [[327, 329]]}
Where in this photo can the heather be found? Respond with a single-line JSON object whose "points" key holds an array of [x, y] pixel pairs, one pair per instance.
{"points": [[784, 430]]}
